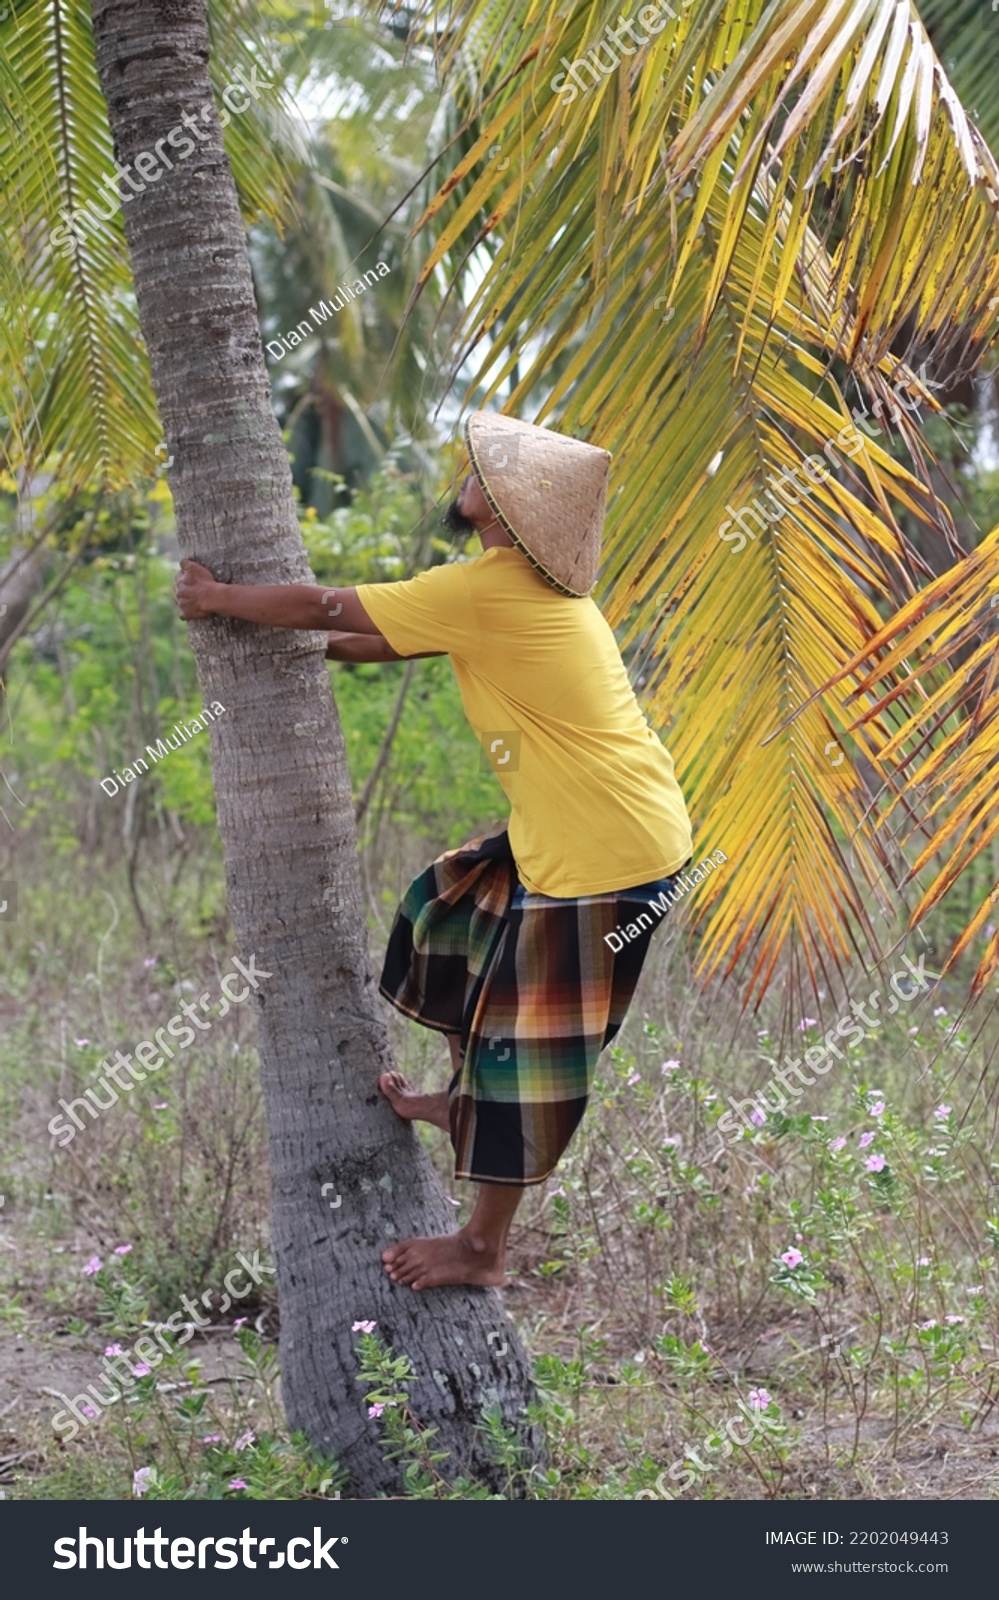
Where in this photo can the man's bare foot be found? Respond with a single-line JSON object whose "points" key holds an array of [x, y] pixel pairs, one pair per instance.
{"points": [[431, 1263], [409, 1103]]}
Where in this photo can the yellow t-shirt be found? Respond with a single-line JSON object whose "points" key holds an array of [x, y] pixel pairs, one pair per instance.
{"points": [[594, 805]]}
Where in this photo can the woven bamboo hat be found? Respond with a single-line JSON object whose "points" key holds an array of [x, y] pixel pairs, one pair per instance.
{"points": [[548, 491]]}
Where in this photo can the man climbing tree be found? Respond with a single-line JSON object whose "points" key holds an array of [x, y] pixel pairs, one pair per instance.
{"points": [[506, 945]]}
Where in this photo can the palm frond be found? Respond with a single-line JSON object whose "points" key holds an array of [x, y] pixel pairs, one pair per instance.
{"points": [[684, 250], [74, 379], [939, 653]]}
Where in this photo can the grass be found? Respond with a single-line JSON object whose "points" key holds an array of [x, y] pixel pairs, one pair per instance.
{"points": [[667, 1281]]}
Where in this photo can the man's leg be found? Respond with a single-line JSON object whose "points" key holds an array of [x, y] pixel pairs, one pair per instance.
{"points": [[415, 1107], [475, 1254]]}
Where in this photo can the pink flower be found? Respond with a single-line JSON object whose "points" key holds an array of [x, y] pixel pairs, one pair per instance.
{"points": [[877, 1108], [931, 1324], [837, 1144], [759, 1399], [237, 1483], [636, 1077], [939, 1011], [670, 1066], [92, 1266], [212, 1438], [150, 961], [239, 1321], [976, 1288], [806, 1023], [80, 1043], [942, 1113], [924, 1261], [122, 1249], [955, 1319], [142, 1477], [875, 1163], [363, 1327], [376, 1410], [792, 1257], [160, 1105], [245, 1439], [88, 1411], [452, 1202], [866, 1139], [140, 1370], [114, 1350], [757, 1117]]}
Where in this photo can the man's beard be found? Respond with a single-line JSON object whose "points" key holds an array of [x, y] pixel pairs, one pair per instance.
{"points": [[455, 522]]}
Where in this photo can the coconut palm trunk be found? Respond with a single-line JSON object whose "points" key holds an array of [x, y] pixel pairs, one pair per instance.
{"points": [[284, 806]]}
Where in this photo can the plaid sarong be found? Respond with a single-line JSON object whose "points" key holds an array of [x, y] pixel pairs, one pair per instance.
{"points": [[533, 989]]}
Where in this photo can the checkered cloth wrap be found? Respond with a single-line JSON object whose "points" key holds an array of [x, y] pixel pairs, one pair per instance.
{"points": [[533, 990]]}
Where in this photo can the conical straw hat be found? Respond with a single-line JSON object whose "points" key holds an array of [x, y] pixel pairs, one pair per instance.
{"points": [[548, 491]]}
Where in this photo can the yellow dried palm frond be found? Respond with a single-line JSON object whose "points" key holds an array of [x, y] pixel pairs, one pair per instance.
{"points": [[943, 761], [660, 283]]}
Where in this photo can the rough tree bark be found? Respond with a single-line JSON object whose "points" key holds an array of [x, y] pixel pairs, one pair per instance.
{"points": [[21, 582], [284, 808]]}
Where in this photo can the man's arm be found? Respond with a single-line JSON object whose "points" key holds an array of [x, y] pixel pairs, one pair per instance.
{"points": [[275, 605], [369, 647]]}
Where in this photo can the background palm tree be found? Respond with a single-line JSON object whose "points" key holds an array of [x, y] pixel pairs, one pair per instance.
{"points": [[369, 376]]}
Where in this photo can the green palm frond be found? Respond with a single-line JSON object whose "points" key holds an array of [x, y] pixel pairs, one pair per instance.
{"points": [[73, 373], [264, 144], [72, 335]]}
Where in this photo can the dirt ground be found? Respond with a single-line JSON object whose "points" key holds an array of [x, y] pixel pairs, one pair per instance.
{"points": [[830, 1456]]}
